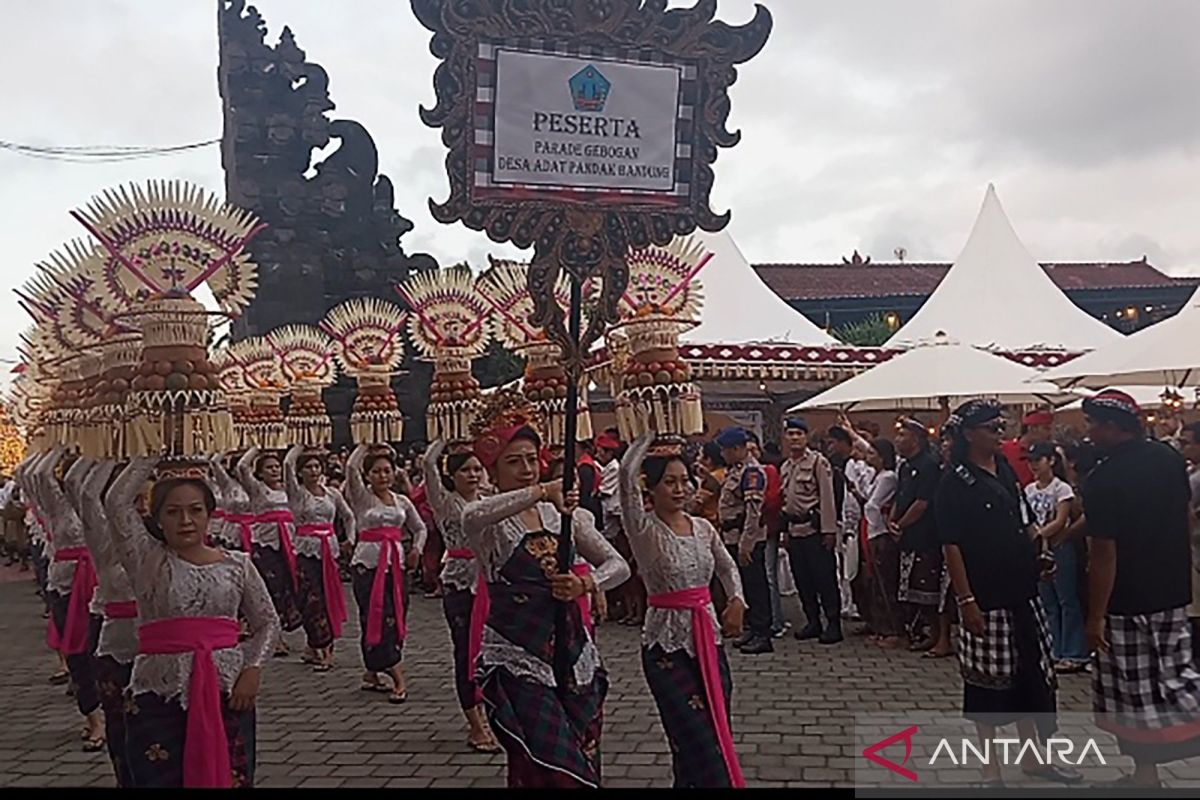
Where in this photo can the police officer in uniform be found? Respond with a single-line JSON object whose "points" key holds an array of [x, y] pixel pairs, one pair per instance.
{"points": [[740, 511], [810, 519]]}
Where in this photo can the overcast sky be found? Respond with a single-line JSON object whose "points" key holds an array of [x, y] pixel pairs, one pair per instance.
{"points": [[867, 124]]}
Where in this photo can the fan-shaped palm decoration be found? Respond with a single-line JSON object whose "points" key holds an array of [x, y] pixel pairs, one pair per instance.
{"points": [[505, 286], [368, 345], [27, 399], [156, 245], [448, 326], [79, 317], [168, 238], [662, 301], [263, 373], [59, 348], [306, 359]]}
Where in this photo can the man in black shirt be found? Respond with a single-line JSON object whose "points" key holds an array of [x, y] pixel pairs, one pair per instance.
{"points": [[913, 517], [1136, 506]]}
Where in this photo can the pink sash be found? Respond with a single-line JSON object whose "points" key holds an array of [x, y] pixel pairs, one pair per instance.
{"points": [[390, 555], [243, 521], [74, 639], [125, 609], [697, 600], [282, 518], [479, 612], [53, 637], [206, 748], [585, 600], [335, 600]]}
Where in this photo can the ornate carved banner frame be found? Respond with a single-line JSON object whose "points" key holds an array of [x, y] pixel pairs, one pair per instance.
{"points": [[586, 232], [587, 237]]}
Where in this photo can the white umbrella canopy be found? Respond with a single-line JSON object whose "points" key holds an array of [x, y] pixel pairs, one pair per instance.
{"points": [[936, 372], [1166, 354], [1149, 396]]}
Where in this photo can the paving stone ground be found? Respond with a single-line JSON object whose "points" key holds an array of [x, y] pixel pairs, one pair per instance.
{"points": [[793, 713]]}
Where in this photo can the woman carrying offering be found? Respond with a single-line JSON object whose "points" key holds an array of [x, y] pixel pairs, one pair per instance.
{"points": [[71, 583], [682, 656], [381, 517], [190, 702], [114, 600], [315, 508], [449, 491], [231, 525], [274, 551]]}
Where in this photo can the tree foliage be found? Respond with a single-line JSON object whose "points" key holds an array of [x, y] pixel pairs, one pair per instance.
{"points": [[872, 331]]}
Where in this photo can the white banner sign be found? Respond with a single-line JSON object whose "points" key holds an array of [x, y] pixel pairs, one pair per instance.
{"points": [[584, 124]]}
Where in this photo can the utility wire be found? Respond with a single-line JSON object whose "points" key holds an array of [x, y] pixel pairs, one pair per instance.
{"points": [[99, 154]]}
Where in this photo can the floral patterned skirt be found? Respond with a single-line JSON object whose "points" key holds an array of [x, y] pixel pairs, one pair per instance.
{"points": [[155, 731], [390, 650], [678, 690], [457, 605], [112, 678], [313, 609], [272, 565]]}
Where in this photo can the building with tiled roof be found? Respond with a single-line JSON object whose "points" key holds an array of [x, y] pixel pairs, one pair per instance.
{"points": [[1127, 295]]}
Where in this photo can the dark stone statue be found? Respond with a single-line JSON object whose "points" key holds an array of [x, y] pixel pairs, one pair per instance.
{"points": [[333, 230]]}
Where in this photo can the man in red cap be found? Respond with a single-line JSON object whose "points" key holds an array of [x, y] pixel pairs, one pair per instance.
{"points": [[1037, 427]]}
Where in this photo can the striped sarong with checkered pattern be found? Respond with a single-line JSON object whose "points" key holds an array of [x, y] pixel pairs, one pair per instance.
{"points": [[556, 727]]}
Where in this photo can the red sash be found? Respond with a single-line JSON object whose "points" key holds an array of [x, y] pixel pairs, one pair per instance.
{"points": [[585, 600], [125, 609], [243, 521]]}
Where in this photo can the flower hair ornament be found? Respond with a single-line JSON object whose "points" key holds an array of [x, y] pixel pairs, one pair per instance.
{"points": [[503, 414]]}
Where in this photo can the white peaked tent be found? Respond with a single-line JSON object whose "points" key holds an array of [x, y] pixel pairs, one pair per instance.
{"points": [[997, 296], [740, 309], [1166, 354], [920, 378]]}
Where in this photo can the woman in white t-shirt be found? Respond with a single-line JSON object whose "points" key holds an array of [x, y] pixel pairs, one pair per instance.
{"points": [[1050, 499], [884, 612]]}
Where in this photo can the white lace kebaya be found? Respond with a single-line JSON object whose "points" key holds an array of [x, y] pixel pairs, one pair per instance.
{"points": [[457, 573], [118, 637], [263, 500], [668, 562], [167, 587], [313, 509], [371, 512]]}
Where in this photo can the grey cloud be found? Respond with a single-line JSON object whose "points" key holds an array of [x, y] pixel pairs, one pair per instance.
{"points": [[867, 124]]}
